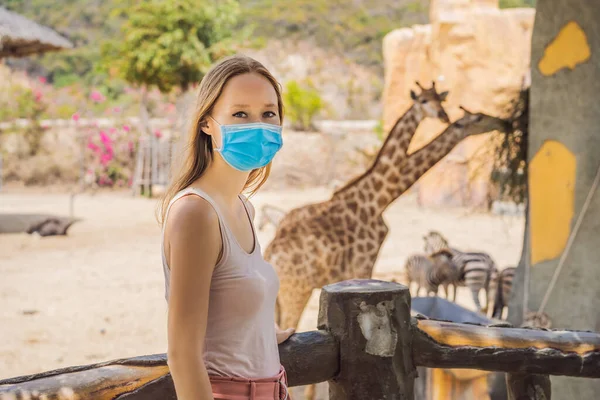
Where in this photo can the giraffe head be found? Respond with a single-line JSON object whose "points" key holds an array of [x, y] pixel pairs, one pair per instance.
{"points": [[476, 123], [429, 102]]}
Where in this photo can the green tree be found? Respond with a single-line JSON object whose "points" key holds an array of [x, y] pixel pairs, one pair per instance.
{"points": [[302, 103], [170, 43]]}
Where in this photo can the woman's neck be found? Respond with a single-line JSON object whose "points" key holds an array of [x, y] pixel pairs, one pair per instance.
{"points": [[222, 180]]}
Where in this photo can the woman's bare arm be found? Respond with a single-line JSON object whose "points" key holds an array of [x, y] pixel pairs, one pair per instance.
{"points": [[193, 239]]}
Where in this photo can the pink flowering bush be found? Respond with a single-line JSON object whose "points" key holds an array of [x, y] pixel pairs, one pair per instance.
{"points": [[110, 154]]}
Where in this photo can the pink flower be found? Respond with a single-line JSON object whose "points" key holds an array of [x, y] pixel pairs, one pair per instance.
{"points": [[126, 128], [117, 109], [158, 134], [75, 117], [130, 145], [170, 107], [104, 138], [105, 159], [38, 95], [97, 96], [112, 130], [42, 79], [93, 146]]}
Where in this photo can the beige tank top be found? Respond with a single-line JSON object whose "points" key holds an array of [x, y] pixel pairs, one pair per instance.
{"points": [[240, 333]]}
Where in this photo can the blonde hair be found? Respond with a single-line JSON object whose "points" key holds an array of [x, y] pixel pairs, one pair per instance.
{"points": [[199, 151]]}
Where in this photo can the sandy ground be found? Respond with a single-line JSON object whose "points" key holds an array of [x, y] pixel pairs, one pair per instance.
{"points": [[97, 294]]}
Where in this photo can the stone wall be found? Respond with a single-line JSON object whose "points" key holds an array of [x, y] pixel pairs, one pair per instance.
{"points": [[481, 55]]}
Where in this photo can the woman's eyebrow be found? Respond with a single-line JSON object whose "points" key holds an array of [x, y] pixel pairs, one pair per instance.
{"points": [[246, 105]]}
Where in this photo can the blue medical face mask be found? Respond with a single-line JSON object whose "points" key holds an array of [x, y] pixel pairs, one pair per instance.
{"points": [[249, 146]]}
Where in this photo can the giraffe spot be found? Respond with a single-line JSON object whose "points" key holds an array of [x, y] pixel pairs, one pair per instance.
{"points": [[351, 239], [350, 255], [377, 185], [353, 206], [370, 246], [360, 247], [568, 49], [363, 216], [382, 201], [394, 179], [418, 158], [361, 196], [297, 259], [384, 169]]}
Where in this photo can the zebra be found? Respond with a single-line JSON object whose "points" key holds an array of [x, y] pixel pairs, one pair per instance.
{"points": [[270, 214], [431, 271], [503, 291], [477, 270]]}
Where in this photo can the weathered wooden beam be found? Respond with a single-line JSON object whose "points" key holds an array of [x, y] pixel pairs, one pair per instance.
{"points": [[371, 321], [108, 380], [438, 344], [309, 357], [528, 387]]}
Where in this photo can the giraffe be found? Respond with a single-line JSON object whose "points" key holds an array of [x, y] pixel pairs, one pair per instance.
{"points": [[340, 239], [426, 104]]}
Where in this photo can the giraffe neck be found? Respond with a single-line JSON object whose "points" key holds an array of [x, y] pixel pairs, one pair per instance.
{"points": [[365, 189], [394, 180], [425, 158]]}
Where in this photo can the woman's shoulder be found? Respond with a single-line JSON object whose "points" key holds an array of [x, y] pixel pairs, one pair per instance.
{"points": [[191, 212]]}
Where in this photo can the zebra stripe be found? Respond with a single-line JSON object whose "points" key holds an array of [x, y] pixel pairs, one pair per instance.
{"points": [[477, 269], [503, 291], [431, 271]]}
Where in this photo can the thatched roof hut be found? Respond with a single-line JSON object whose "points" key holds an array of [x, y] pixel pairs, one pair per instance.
{"points": [[21, 37]]}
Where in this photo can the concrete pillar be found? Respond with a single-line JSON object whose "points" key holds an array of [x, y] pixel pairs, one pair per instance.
{"points": [[564, 155]]}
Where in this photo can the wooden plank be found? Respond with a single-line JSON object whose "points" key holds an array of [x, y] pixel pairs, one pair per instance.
{"points": [[309, 357], [439, 344]]}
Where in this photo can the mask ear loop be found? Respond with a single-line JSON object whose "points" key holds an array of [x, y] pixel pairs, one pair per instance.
{"points": [[215, 148]]}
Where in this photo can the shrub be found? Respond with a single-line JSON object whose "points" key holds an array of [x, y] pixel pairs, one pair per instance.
{"points": [[302, 104]]}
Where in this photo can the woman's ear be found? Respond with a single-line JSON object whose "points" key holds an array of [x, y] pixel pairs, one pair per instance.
{"points": [[204, 127]]}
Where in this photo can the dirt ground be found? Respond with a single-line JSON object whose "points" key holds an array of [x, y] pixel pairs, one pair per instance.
{"points": [[97, 294]]}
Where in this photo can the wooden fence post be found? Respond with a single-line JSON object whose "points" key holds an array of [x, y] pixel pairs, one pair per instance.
{"points": [[371, 321]]}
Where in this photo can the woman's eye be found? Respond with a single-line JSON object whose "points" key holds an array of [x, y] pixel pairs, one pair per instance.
{"points": [[269, 114], [240, 114], [423, 101]]}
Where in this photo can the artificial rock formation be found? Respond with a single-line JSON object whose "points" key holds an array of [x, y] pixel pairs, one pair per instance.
{"points": [[478, 52]]}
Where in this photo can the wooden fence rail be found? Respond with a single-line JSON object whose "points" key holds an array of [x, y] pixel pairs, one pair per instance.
{"points": [[367, 347]]}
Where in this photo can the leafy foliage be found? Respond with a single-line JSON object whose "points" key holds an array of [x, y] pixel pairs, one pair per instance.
{"points": [[509, 172], [302, 103], [170, 43], [516, 3]]}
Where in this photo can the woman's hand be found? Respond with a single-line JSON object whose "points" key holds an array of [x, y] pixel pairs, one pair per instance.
{"points": [[283, 335]]}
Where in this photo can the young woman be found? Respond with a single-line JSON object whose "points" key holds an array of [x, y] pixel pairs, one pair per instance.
{"points": [[222, 336]]}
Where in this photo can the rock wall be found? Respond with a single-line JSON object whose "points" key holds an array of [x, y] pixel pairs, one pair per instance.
{"points": [[481, 55]]}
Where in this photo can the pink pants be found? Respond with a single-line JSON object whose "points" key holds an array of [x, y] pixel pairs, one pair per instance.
{"points": [[232, 388]]}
